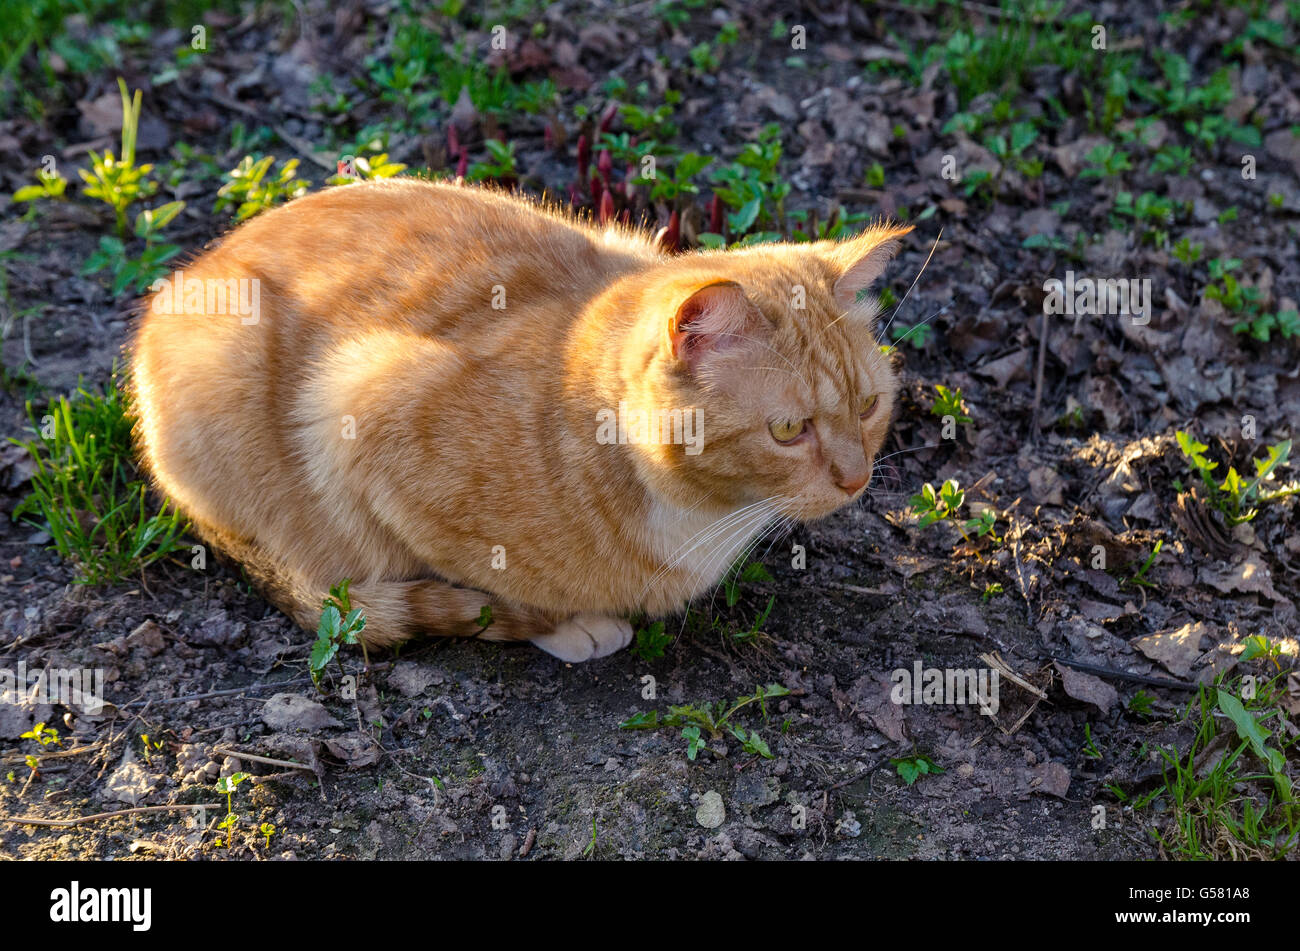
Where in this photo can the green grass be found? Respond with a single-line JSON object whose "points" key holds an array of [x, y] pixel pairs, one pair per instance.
{"points": [[86, 492], [1230, 795]]}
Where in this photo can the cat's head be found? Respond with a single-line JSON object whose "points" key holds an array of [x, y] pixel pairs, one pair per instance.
{"points": [[774, 347]]}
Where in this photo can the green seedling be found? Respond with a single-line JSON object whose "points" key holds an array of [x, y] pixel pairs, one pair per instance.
{"points": [[1090, 748], [669, 188], [912, 768], [49, 184], [227, 785], [1142, 703], [501, 168], [42, 734], [950, 403], [250, 190], [119, 182], [1139, 578], [934, 506], [1106, 161], [340, 623], [918, 336], [1257, 645], [1237, 499], [151, 265], [1187, 252], [651, 641], [715, 719], [150, 747], [369, 168], [752, 573], [1285, 323], [267, 829]]}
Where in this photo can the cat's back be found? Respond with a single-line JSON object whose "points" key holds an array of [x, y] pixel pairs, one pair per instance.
{"points": [[385, 237]]}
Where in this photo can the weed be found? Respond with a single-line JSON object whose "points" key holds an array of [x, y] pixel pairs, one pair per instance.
{"points": [[1223, 805], [1090, 749], [715, 719], [1237, 499], [251, 191], [84, 491], [651, 641], [912, 768], [1139, 577], [950, 403], [152, 264], [340, 623], [119, 182]]}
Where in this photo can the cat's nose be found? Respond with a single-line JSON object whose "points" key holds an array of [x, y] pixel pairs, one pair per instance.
{"points": [[853, 480]]}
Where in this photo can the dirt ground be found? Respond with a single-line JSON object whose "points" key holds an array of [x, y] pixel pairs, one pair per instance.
{"points": [[477, 750]]}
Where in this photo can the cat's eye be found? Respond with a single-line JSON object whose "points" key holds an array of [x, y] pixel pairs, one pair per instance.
{"points": [[785, 430], [868, 405]]}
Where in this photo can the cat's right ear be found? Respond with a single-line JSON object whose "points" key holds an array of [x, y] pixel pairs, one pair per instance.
{"points": [[715, 317]]}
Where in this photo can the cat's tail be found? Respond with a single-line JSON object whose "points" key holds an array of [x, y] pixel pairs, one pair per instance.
{"points": [[395, 610]]}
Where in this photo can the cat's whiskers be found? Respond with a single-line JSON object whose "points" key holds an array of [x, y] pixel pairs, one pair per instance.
{"points": [[781, 523], [884, 333], [723, 551], [894, 346], [705, 535]]}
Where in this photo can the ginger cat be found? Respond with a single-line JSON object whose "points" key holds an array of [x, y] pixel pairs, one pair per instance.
{"points": [[451, 396]]}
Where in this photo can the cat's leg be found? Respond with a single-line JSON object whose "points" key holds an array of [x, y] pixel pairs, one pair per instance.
{"points": [[398, 610], [585, 637]]}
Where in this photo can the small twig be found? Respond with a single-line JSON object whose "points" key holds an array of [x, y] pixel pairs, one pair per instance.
{"points": [[66, 823], [1038, 378], [1125, 675], [234, 692], [261, 759]]}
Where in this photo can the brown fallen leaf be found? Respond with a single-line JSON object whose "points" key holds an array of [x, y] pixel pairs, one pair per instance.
{"points": [[1250, 576], [1086, 687], [1177, 648]]}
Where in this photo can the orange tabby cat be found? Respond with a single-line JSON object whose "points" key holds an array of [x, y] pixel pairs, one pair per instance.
{"points": [[457, 398]]}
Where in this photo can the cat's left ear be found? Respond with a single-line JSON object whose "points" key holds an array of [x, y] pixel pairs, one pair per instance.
{"points": [[715, 316], [862, 259]]}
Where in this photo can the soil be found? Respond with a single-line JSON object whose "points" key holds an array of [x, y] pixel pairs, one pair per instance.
{"points": [[478, 750]]}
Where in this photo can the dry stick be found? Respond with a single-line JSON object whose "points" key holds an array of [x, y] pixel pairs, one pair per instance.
{"points": [[58, 754], [1038, 377], [261, 759], [233, 692], [66, 823], [1124, 674]]}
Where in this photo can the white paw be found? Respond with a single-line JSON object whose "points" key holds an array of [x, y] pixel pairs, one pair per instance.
{"points": [[585, 637]]}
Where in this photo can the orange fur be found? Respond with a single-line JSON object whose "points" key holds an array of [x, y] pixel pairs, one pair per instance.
{"points": [[381, 421]]}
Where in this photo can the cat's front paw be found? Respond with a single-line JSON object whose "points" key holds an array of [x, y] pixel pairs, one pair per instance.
{"points": [[585, 637]]}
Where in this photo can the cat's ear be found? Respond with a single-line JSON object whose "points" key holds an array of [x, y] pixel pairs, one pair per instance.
{"points": [[862, 259], [714, 317]]}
